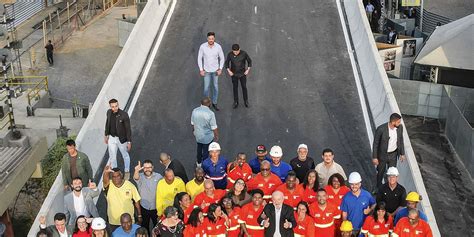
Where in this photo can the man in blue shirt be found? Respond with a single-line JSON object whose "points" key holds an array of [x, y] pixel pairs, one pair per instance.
{"points": [[203, 121], [413, 198], [262, 154], [357, 203], [278, 167], [127, 228], [215, 166]]}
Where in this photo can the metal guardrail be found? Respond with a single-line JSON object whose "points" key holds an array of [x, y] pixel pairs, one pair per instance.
{"points": [[34, 84], [5, 120]]}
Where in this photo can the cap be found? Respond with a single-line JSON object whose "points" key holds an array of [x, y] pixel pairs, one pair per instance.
{"points": [[346, 226], [98, 224], [413, 197], [276, 151], [302, 146], [392, 171], [261, 149], [214, 146], [354, 178]]}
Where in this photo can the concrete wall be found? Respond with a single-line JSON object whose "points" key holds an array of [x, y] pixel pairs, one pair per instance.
{"points": [[124, 30], [452, 105], [119, 84], [380, 97]]}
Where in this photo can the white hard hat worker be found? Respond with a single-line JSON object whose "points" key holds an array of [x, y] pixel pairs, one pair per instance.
{"points": [[98, 224], [214, 146], [276, 151], [392, 171], [355, 178]]}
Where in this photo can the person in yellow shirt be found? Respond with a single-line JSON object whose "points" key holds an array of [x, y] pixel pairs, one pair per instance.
{"points": [[166, 189], [196, 185], [121, 196]]}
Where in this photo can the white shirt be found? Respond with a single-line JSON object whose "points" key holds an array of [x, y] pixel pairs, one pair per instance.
{"points": [[210, 59], [80, 205], [277, 222], [392, 141], [369, 8], [63, 234]]}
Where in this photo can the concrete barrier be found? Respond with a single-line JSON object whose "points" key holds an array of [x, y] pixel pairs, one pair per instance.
{"points": [[380, 97], [119, 84]]}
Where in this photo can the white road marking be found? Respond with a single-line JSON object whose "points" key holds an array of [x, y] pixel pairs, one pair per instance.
{"points": [[149, 63], [255, 9]]}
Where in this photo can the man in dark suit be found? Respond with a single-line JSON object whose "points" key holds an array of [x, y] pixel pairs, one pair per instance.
{"points": [[175, 165], [277, 218], [388, 146]]}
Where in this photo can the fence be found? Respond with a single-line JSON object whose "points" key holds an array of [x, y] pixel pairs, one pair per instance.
{"points": [[430, 20], [57, 28]]}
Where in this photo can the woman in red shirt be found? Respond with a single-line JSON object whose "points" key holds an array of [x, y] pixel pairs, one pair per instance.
{"points": [[233, 213], [182, 202], [82, 228], [194, 226], [310, 186], [304, 222], [380, 223], [215, 223], [336, 189]]}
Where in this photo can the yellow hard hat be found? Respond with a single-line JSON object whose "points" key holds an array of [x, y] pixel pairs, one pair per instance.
{"points": [[346, 226], [413, 197]]}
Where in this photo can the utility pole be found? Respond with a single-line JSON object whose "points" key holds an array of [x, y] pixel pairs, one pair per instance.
{"points": [[421, 15]]}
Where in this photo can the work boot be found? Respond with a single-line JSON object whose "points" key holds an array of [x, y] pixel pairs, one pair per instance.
{"points": [[215, 107]]}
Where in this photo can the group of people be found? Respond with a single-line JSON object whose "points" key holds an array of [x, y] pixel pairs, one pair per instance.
{"points": [[262, 196]]}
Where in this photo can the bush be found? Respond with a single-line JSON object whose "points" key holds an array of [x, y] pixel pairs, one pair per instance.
{"points": [[51, 164]]}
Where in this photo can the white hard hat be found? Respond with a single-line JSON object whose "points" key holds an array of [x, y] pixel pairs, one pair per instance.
{"points": [[392, 171], [98, 224], [304, 146], [276, 151], [354, 178], [214, 146]]}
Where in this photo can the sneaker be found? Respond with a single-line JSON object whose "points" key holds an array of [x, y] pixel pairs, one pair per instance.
{"points": [[198, 164], [215, 107], [235, 105], [127, 176], [246, 104]]}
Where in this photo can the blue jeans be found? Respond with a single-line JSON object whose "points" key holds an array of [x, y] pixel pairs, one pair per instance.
{"points": [[208, 77]]}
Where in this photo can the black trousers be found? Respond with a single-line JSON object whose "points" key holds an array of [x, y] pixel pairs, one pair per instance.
{"points": [[390, 161], [50, 58], [148, 215], [235, 86], [202, 152]]}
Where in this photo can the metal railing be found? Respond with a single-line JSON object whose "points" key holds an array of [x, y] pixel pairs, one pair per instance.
{"points": [[33, 84], [5, 120]]}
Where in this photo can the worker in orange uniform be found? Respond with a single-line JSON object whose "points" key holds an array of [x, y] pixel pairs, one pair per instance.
{"points": [[233, 212], [209, 196], [412, 226], [194, 226], [250, 213], [215, 222], [324, 215], [265, 181], [379, 224], [292, 192], [304, 222], [336, 189], [310, 185], [238, 169]]}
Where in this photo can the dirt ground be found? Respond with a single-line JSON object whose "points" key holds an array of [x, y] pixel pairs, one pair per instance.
{"points": [[449, 185]]}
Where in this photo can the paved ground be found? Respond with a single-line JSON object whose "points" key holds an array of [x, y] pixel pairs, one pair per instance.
{"points": [[449, 185], [86, 58], [301, 86], [453, 9]]}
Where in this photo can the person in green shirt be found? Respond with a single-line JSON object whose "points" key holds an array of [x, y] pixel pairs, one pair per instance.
{"points": [[75, 164]]}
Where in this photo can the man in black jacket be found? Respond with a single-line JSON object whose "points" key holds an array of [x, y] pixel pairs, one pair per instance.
{"points": [[277, 218], [235, 65], [175, 165], [388, 146], [118, 135]]}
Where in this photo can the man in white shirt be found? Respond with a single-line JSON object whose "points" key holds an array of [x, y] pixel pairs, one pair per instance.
{"points": [[369, 9], [80, 201], [211, 61], [388, 146], [328, 167]]}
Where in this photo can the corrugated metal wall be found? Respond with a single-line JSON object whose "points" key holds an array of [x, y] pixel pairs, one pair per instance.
{"points": [[24, 9]]}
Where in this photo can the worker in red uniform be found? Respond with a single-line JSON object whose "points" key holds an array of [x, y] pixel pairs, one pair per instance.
{"points": [[208, 196], [336, 189], [310, 186], [379, 224], [215, 222], [233, 212], [324, 215], [304, 222], [250, 213], [239, 169], [292, 192], [265, 181], [194, 226], [412, 226]]}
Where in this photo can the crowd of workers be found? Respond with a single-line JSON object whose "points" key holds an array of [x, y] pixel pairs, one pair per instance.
{"points": [[263, 196]]}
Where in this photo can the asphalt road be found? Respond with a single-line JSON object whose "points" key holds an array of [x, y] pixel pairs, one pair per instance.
{"points": [[301, 87]]}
